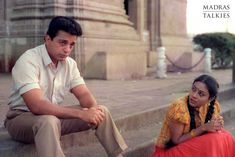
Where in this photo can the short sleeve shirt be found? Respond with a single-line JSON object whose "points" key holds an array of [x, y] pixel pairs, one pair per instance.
{"points": [[35, 69], [178, 111]]}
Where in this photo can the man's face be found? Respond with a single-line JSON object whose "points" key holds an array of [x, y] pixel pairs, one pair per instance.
{"points": [[60, 47]]}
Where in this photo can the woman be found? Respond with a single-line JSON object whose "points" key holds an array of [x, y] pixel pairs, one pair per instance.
{"points": [[193, 126]]}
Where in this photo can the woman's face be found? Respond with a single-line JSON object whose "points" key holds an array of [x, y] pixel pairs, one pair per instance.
{"points": [[199, 95]]}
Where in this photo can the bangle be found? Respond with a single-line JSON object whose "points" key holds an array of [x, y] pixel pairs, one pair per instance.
{"points": [[192, 133]]}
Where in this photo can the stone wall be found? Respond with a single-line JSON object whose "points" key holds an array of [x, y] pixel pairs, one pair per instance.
{"points": [[114, 45], [106, 29]]}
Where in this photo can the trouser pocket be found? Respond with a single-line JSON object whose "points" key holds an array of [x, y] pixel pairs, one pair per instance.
{"points": [[12, 114]]}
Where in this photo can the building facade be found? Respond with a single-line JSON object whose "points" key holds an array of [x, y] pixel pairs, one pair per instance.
{"points": [[120, 36]]}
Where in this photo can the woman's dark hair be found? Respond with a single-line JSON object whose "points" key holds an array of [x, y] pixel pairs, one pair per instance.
{"points": [[192, 116], [212, 86], [62, 23]]}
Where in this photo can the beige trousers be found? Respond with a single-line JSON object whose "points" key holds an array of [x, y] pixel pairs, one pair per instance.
{"points": [[46, 130]]}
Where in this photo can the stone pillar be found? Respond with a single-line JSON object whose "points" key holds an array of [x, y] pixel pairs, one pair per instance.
{"points": [[106, 29], [207, 64], [173, 34], [7, 55], [161, 63], [154, 23], [153, 26], [5, 41], [140, 19], [233, 79]]}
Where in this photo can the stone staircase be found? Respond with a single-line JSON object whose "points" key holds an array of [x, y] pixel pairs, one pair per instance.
{"points": [[139, 129]]}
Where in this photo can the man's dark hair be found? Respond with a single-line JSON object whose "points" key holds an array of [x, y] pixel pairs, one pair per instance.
{"points": [[62, 23]]}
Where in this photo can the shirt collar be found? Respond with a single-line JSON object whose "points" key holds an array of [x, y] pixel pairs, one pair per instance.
{"points": [[45, 56]]}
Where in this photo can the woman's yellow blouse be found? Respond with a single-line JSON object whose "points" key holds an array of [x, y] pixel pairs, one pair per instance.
{"points": [[178, 111]]}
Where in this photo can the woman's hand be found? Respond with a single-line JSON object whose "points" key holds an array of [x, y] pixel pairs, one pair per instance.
{"points": [[215, 124]]}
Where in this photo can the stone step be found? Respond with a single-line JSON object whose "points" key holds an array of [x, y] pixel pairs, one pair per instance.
{"points": [[228, 109], [226, 92], [156, 114], [139, 130], [141, 141], [230, 125]]}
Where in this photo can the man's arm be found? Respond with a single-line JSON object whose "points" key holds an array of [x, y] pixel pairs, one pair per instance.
{"points": [[84, 96], [38, 105]]}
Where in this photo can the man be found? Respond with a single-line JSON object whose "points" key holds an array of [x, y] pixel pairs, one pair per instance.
{"points": [[41, 78]]}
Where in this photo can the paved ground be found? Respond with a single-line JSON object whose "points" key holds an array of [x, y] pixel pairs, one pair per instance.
{"points": [[133, 95], [125, 98]]}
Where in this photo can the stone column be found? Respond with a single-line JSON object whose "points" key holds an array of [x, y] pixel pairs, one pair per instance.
{"points": [[207, 64], [233, 69], [173, 34], [106, 28], [137, 15], [5, 41], [7, 55], [161, 63], [154, 31]]}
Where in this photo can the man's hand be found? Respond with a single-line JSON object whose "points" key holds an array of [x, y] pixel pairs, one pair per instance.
{"points": [[94, 115]]}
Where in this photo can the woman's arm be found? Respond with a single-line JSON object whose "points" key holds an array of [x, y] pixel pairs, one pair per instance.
{"points": [[177, 128], [177, 135]]}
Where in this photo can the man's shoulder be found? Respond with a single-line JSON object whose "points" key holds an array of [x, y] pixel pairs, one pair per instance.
{"points": [[33, 52], [32, 56]]}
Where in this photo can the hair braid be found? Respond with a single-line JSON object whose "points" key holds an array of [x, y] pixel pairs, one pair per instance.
{"points": [[170, 143], [192, 116], [210, 111]]}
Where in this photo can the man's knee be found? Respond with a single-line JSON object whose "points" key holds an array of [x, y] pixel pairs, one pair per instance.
{"points": [[105, 109], [108, 116], [47, 122]]}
